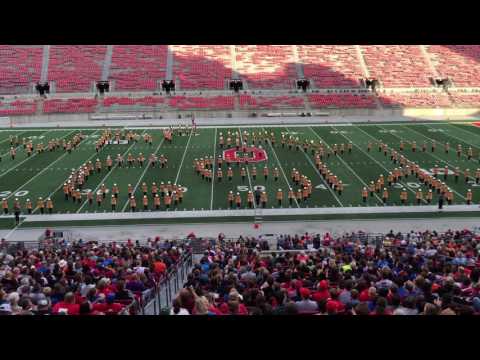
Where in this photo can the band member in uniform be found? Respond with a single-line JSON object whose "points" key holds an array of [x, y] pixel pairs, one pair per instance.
{"points": [[100, 196], [230, 199], [250, 199], [364, 194], [263, 199], [403, 196], [385, 195], [145, 203], [279, 197], [238, 200], [28, 205], [156, 202], [41, 205]]}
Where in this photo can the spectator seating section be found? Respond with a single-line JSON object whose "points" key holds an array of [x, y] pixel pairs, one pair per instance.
{"points": [[20, 67], [17, 107], [69, 106], [196, 102], [105, 264], [354, 274], [415, 100], [331, 66], [466, 100], [459, 62], [271, 102], [201, 67], [347, 101], [144, 101], [397, 65], [266, 66], [75, 68], [138, 67]]}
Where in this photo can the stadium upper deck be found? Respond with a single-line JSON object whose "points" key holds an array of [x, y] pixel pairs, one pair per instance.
{"points": [[269, 75]]}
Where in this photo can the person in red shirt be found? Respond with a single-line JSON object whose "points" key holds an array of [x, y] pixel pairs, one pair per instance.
{"points": [[107, 305], [159, 267], [67, 306], [322, 293], [334, 306], [233, 306]]}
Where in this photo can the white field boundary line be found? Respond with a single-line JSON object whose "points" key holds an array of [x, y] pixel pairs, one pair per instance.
{"points": [[213, 167], [326, 122], [38, 174], [183, 156], [61, 184], [320, 175], [355, 210], [345, 163], [380, 164], [143, 174], [246, 167], [106, 176], [27, 158], [439, 159], [281, 168]]}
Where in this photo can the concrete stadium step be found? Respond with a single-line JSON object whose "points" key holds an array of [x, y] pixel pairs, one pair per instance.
{"points": [[233, 54], [361, 60], [46, 57], [429, 61], [107, 62], [169, 69], [298, 64]]}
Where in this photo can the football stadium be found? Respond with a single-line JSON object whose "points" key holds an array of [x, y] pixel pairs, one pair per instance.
{"points": [[239, 179]]}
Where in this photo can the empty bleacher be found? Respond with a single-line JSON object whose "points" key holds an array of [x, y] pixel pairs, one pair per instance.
{"points": [[415, 100], [331, 66], [69, 106], [202, 67], [397, 65], [459, 62], [20, 66], [346, 101], [266, 66], [17, 107], [200, 103], [138, 67], [75, 68], [271, 102]]}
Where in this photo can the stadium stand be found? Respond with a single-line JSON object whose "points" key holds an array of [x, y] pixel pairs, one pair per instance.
{"points": [[417, 273], [196, 102], [20, 66], [138, 67], [266, 66], [465, 100], [202, 67], [18, 107], [75, 68], [330, 66], [318, 101], [458, 62], [84, 278], [397, 65], [415, 100], [271, 102], [69, 106]]}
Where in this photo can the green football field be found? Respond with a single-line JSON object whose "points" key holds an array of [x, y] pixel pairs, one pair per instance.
{"points": [[42, 175]]}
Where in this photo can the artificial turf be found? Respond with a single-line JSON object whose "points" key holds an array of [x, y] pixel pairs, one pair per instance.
{"points": [[42, 175]]}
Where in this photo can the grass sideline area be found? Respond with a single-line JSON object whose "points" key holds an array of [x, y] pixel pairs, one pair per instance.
{"points": [[42, 175]]}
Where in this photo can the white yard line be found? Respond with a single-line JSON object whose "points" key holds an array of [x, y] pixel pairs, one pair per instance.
{"points": [[183, 157], [345, 163], [37, 175], [380, 164], [24, 160], [143, 174], [436, 157], [213, 167], [281, 168], [8, 139], [246, 167], [107, 175], [460, 139], [61, 184], [321, 177]]}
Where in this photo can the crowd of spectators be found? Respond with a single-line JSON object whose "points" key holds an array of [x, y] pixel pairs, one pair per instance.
{"points": [[418, 273], [83, 278]]}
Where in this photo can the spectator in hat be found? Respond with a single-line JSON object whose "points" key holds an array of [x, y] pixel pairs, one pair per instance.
{"points": [[305, 305]]}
